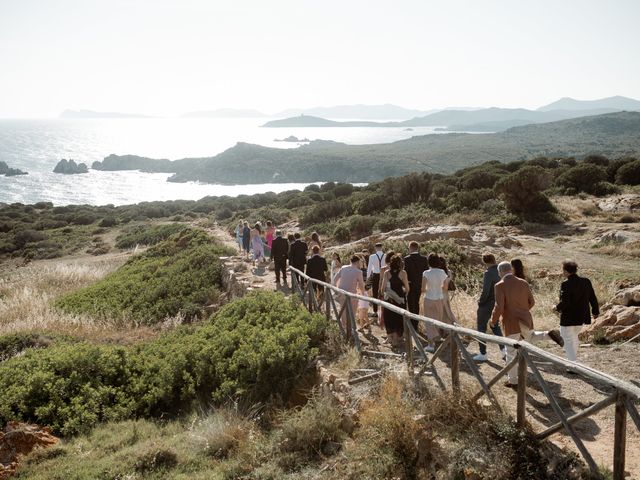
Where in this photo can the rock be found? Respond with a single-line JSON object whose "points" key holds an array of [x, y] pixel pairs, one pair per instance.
{"points": [[629, 297], [7, 171], [508, 242], [18, 440], [620, 203], [617, 323], [618, 236], [70, 167], [437, 232]]}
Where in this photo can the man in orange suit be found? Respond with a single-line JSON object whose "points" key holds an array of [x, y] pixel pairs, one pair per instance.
{"points": [[514, 302]]}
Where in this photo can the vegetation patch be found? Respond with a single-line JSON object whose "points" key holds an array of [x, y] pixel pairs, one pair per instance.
{"points": [[176, 277], [147, 234], [255, 349]]}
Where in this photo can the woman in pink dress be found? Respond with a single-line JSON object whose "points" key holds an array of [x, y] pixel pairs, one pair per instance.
{"points": [[269, 233]]}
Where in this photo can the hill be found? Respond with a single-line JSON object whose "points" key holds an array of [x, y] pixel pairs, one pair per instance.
{"points": [[614, 103], [373, 112], [313, 121], [470, 120], [616, 134]]}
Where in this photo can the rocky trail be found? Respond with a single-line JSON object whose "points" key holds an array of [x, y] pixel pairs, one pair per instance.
{"points": [[350, 379]]}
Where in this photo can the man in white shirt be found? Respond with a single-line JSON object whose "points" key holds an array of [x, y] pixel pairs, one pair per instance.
{"points": [[376, 263]]}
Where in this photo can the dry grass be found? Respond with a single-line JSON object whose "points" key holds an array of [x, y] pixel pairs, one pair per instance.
{"points": [[27, 294]]}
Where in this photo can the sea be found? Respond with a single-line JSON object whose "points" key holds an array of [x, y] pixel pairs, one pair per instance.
{"points": [[36, 146]]}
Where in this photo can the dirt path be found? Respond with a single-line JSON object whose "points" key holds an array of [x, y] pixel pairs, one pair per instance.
{"points": [[574, 393]]}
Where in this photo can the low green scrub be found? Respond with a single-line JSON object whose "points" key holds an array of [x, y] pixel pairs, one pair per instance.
{"points": [[255, 349], [147, 234], [176, 277]]}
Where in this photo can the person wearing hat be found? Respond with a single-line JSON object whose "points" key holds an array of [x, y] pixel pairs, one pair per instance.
{"points": [[279, 253]]}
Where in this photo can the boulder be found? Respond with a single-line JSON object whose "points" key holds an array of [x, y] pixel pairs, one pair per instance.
{"points": [[19, 439], [620, 203], [629, 297], [617, 323], [436, 232], [618, 236], [508, 242]]}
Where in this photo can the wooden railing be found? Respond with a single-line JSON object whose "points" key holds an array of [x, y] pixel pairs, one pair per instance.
{"points": [[336, 305]]}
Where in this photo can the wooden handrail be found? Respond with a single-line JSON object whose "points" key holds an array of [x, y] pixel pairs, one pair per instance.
{"points": [[597, 376]]}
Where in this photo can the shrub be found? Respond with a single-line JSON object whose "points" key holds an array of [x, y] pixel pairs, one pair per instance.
{"points": [[254, 349], [361, 225], [147, 234], [521, 192], [108, 222], [178, 276], [599, 160], [629, 173], [584, 177], [342, 233]]}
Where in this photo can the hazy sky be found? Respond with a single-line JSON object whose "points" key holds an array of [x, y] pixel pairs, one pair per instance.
{"points": [[164, 57]]}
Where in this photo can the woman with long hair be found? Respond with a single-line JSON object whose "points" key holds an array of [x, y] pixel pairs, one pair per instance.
{"points": [[396, 286], [269, 234], [435, 283], [518, 268], [256, 243], [336, 265]]}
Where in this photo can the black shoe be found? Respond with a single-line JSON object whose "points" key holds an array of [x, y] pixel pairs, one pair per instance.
{"points": [[556, 337]]}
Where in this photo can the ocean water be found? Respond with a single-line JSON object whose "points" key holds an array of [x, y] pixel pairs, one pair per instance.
{"points": [[35, 146]]}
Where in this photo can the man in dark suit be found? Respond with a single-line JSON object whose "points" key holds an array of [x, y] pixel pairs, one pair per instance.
{"points": [[298, 255], [317, 268], [280, 253], [415, 264], [576, 296], [485, 305]]}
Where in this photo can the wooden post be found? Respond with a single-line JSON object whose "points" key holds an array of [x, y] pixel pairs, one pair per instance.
{"points": [[310, 292], [327, 303], [522, 389], [455, 363], [619, 438], [408, 344]]}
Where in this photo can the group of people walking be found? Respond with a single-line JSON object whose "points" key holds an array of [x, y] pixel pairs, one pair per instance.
{"points": [[421, 285]]}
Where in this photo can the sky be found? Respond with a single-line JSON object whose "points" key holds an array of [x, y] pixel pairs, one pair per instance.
{"points": [[161, 57]]}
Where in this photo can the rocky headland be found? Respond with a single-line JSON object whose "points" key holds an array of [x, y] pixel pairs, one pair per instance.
{"points": [[7, 171]]}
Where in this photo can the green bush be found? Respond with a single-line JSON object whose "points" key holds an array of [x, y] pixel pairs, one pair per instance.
{"points": [[255, 349], [342, 233], [521, 192], [178, 276], [584, 177], [629, 173], [147, 234]]}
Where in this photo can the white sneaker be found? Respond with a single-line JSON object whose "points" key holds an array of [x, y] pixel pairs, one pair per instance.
{"points": [[480, 357], [503, 352]]}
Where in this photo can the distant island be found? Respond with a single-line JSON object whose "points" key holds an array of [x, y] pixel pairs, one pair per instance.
{"points": [[613, 135], [369, 112], [7, 171], [311, 121], [475, 120], [293, 139], [87, 114], [70, 167], [616, 103]]}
